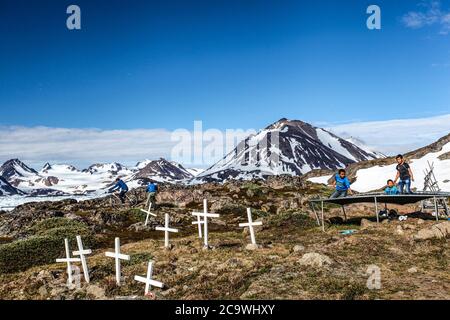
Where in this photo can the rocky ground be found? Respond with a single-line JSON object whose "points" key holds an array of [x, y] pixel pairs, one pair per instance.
{"points": [[294, 260]]}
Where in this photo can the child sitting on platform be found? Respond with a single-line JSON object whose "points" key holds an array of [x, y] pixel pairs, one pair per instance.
{"points": [[391, 188]]}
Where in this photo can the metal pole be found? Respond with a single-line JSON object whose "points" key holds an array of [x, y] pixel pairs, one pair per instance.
{"points": [[323, 223], [376, 209], [345, 215], [436, 209], [313, 206]]}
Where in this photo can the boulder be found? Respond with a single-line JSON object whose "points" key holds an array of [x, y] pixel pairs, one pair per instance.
{"points": [[314, 259], [298, 248], [367, 224], [438, 231], [399, 231], [251, 247], [97, 292], [139, 226], [412, 270]]}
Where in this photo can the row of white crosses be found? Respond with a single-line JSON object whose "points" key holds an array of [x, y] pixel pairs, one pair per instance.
{"points": [[117, 255], [205, 215]]}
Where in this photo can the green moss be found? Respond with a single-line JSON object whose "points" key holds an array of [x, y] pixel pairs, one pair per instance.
{"points": [[50, 226], [297, 219], [44, 245], [138, 258]]}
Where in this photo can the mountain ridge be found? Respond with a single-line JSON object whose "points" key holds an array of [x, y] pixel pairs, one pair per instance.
{"points": [[301, 148]]}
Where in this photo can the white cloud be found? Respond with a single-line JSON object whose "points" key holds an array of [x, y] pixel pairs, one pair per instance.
{"points": [[432, 14], [37, 145], [82, 147], [396, 136]]}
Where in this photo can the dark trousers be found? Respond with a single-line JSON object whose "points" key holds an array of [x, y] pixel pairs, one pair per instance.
{"points": [[122, 195]]}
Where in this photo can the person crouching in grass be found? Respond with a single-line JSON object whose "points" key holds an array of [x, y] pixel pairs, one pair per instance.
{"points": [[341, 185], [391, 188]]}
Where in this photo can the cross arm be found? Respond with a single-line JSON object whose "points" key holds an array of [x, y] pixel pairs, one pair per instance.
{"points": [[68, 260], [257, 223], [78, 253], [120, 256], [209, 215], [149, 281]]}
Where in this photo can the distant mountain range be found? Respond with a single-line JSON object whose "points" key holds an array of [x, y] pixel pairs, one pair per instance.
{"points": [[62, 179], [298, 149]]}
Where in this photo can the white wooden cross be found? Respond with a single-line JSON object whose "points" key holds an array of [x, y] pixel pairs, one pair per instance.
{"points": [[82, 253], [199, 221], [117, 255], [250, 225], [148, 280], [166, 230], [148, 212], [68, 260], [205, 216]]}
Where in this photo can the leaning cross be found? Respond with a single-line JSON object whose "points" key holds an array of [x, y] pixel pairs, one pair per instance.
{"points": [[250, 225], [148, 212], [68, 260], [166, 230], [205, 216], [82, 252], [148, 280], [117, 255]]}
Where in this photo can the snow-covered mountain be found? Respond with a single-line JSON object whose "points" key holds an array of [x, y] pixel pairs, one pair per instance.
{"points": [[112, 168], [64, 179], [16, 172], [373, 175], [163, 171], [6, 189], [195, 171], [290, 147], [361, 144]]}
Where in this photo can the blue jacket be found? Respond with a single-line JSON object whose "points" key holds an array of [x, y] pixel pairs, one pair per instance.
{"points": [[342, 184], [151, 187], [120, 185], [390, 190]]}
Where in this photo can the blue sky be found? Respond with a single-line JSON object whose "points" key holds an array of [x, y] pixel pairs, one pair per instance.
{"points": [[231, 64]]}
